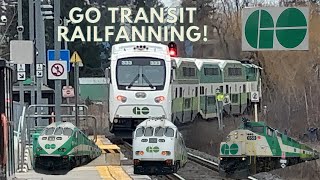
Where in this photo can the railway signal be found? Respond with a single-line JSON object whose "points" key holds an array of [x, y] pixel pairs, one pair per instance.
{"points": [[173, 49]]}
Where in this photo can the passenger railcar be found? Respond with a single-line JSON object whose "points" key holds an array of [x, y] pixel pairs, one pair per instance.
{"points": [[196, 82], [256, 147], [61, 144], [158, 147]]}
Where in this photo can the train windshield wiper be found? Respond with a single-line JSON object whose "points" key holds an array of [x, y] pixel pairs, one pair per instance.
{"points": [[132, 82], [147, 80]]}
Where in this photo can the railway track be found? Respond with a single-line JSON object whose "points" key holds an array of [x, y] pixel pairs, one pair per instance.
{"points": [[214, 166]]}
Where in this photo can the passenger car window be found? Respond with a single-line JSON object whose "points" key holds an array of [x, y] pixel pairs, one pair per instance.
{"points": [[140, 132], [169, 132], [148, 131], [158, 132]]}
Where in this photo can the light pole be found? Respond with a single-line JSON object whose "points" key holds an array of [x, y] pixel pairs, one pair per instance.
{"points": [[57, 47], [41, 47]]}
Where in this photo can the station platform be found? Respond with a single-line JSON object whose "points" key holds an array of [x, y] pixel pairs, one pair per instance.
{"points": [[105, 167]]}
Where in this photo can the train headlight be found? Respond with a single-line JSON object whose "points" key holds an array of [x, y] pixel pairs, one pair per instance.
{"points": [[122, 98], [236, 137], [62, 149], [166, 153], [243, 159], [141, 153], [159, 99], [236, 133], [221, 159]]}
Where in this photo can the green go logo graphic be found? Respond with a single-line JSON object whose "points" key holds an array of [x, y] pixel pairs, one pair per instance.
{"points": [[275, 28], [139, 111], [50, 146], [151, 149], [226, 149]]}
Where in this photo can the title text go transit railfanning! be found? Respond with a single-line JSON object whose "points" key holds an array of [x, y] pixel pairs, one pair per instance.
{"points": [[127, 30]]}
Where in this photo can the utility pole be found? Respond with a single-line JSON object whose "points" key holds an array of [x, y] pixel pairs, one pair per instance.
{"points": [[65, 23], [76, 78], [57, 47], [31, 37], [40, 44], [21, 87]]}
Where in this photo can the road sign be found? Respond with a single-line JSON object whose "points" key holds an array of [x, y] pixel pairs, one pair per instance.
{"points": [[39, 74], [275, 28], [21, 76], [64, 56], [21, 67], [22, 51], [226, 100], [75, 58], [67, 92], [254, 96], [39, 67], [283, 161], [283, 165], [57, 70]]}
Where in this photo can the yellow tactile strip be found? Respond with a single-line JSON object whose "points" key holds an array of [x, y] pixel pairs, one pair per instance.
{"points": [[112, 173], [110, 147]]}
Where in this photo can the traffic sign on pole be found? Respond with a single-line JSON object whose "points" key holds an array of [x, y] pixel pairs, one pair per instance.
{"points": [[39, 67], [21, 76], [75, 58], [67, 92], [57, 70], [275, 28], [255, 96], [64, 56], [39, 74], [21, 67]]}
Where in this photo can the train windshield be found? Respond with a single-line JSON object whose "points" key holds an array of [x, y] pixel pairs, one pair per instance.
{"points": [[67, 131], [48, 131], [140, 132], [158, 132], [58, 131], [169, 132], [141, 72], [257, 129], [148, 132]]}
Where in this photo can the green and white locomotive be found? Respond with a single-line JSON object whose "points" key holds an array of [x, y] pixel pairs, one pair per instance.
{"points": [[158, 147], [256, 147], [61, 144]]}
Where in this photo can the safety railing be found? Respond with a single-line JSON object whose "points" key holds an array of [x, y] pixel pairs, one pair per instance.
{"points": [[21, 144]]}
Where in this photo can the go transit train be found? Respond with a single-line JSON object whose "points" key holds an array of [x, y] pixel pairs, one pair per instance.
{"points": [[63, 145], [145, 81], [255, 147]]}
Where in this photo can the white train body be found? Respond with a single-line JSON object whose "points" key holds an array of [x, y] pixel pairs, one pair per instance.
{"points": [[139, 77], [158, 147]]}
